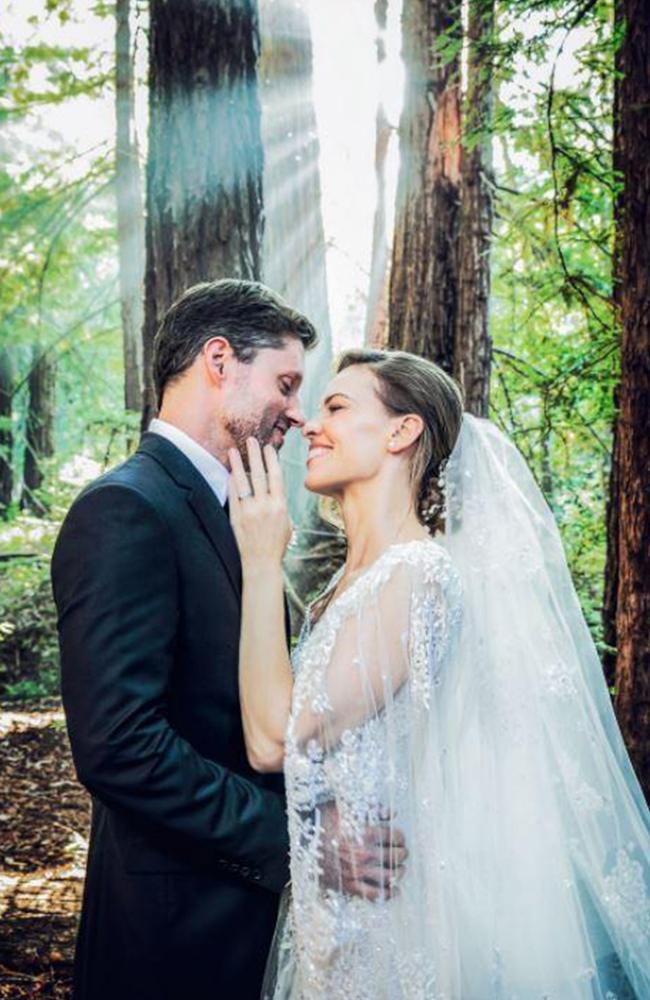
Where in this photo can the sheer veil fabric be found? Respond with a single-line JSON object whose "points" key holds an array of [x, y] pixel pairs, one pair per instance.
{"points": [[454, 691]]}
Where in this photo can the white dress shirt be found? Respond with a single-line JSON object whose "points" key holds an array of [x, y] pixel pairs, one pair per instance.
{"points": [[213, 471]]}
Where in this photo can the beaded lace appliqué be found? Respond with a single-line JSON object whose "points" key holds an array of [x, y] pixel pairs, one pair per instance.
{"points": [[337, 938]]}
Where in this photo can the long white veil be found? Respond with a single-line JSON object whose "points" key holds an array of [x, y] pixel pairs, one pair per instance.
{"points": [[547, 829]]}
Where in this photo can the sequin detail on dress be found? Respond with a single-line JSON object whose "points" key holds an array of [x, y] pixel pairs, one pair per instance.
{"points": [[344, 947]]}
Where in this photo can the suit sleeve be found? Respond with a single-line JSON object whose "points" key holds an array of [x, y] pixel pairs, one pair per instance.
{"points": [[116, 589]]}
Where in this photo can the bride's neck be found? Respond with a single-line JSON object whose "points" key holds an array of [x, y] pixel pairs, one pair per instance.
{"points": [[376, 518]]}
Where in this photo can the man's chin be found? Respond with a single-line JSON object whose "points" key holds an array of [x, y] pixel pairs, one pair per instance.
{"points": [[277, 439]]}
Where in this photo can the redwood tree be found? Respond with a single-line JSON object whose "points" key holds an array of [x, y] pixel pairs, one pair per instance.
{"points": [[294, 253], [632, 450], [39, 431], [472, 347], [294, 240], [376, 330], [204, 166], [130, 215], [6, 432], [424, 282]]}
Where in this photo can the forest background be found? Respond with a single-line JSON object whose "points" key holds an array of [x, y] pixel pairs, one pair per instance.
{"points": [[466, 180]]}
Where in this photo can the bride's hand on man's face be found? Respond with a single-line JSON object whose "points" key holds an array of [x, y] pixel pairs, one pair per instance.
{"points": [[258, 507]]}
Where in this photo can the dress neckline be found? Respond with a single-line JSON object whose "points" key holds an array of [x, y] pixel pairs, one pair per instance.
{"points": [[311, 625]]}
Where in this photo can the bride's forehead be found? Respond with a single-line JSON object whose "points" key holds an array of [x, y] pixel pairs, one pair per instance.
{"points": [[356, 381]]}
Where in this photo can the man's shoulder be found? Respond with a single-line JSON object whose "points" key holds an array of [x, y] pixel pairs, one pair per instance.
{"points": [[138, 482]]}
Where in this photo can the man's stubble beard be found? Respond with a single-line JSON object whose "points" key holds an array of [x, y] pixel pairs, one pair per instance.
{"points": [[260, 427]]}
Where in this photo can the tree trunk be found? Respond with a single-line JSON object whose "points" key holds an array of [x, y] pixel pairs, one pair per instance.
{"points": [[633, 601], [6, 430], [39, 435], [612, 520], [472, 349], [610, 591], [294, 240], [294, 251], [204, 168], [424, 282], [376, 330], [130, 216]]}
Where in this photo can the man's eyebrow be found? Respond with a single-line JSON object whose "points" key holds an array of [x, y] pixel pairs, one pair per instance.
{"points": [[294, 376], [332, 395]]}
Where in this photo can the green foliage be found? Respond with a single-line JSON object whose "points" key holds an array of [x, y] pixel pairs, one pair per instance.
{"points": [[28, 640], [556, 345], [59, 297]]}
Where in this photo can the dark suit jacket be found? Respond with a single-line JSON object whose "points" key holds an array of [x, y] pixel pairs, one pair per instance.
{"points": [[188, 847]]}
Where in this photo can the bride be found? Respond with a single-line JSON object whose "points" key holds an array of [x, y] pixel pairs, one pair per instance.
{"points": [[445, 684]]}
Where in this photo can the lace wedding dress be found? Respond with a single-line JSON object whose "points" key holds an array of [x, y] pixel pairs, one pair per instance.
{"points": [[453, 691]]}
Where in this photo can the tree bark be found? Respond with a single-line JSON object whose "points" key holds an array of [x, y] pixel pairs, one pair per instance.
{"points": [[204, 168], [39, 434], [294, 240], [130, 216], [633, 445], [295, 253], [472, 348], [376, 329], [424, 281], [612, 519], [6, 431]]}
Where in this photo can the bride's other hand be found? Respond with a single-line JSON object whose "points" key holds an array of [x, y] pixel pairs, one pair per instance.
{"points": [[258, 507]]}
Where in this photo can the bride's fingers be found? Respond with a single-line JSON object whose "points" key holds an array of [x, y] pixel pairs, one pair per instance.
{"points": [[238, 473], [256, 465], [276, 481], [384, 836], [234, 502], [380, 878]]}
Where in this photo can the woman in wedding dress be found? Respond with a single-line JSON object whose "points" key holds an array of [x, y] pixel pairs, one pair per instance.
{"points": [[445, 685]]}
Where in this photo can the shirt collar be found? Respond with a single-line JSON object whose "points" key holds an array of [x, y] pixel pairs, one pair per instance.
{"points": [[212, 470]]}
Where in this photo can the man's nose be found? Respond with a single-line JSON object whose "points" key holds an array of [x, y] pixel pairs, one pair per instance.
{"points": [[295, 414]]}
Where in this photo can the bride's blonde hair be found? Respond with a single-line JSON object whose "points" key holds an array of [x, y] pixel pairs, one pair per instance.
{"points": [[407, 383]]}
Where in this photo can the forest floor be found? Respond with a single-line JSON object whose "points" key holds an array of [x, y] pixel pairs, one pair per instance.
{"points": [[44, 821]]}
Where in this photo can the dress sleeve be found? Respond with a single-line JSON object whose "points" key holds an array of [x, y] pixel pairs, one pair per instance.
{"points": [[392, 635]]}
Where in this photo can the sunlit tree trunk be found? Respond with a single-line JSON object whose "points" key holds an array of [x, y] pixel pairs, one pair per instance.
{"points": [[610, 593], [472, 348], [130, 215], [6, 431], [294, 241], [376, 329], [294, 246], [424, 280], [633, 443], [205, 159], [39, 432]]}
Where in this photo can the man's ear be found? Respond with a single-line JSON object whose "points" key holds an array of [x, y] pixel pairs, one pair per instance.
{"points": [[405, 431], [217, 357]]}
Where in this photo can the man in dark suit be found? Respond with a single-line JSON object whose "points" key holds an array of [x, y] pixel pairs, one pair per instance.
{"points": [[188, 845]]}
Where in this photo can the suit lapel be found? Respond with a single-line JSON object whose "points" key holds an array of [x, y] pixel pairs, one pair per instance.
{"points": [[201, 499], [217, 527]]}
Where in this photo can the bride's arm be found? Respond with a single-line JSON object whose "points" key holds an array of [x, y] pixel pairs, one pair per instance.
{"points": [[397, 631], [262, 529]]}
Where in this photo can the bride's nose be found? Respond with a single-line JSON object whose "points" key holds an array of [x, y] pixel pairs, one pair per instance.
{"points": [[311, 427]]}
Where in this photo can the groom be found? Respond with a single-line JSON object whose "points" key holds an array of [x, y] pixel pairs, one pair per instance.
{"points": [[188, 845]]}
